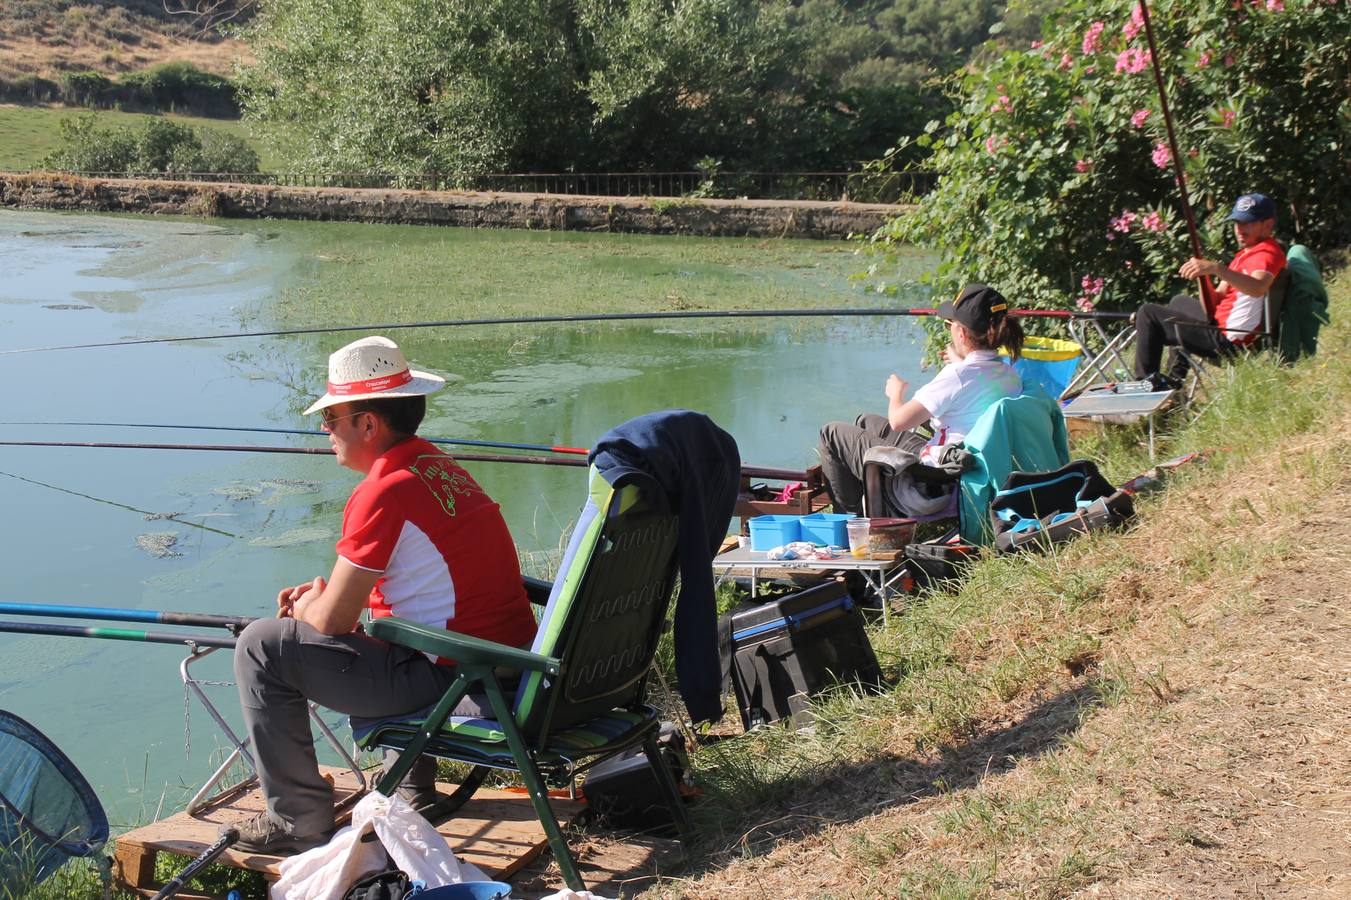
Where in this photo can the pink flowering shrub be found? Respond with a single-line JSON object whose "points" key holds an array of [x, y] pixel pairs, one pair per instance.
{"points": [[1093, 38], [1081, 179]]}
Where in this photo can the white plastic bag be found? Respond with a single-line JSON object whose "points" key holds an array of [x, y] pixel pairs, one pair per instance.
{"points": [[327, 872]]}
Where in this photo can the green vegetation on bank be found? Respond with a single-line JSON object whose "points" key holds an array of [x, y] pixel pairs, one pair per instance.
{"points": [[31, 133], [158, 144], [168, 87]]}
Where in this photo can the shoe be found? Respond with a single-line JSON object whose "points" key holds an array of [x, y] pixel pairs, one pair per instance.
{"points": [[1161, 382], [260, 834]]}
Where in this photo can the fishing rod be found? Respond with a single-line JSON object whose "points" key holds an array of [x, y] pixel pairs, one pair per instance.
{"points": [[540, 320], [753, 471], [118, 634], [123, 614], [1192, 231], [502, 445], [312, 451]]}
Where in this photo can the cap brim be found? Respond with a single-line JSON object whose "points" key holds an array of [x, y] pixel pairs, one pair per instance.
{"points": [[946, 310], [423, 383]]}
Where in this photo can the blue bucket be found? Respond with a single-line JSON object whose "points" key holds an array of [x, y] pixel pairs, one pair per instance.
{"points": [[469, 890]]}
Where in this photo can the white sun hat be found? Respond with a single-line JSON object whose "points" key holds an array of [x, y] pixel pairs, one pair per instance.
{"points": [[373, 368]]}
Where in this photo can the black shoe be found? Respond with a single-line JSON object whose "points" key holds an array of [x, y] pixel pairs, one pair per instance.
{"points": [[261, 835], [1161, 382]]}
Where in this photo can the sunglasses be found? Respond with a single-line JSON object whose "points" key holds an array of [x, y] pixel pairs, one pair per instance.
{"points": [[331, 420]]}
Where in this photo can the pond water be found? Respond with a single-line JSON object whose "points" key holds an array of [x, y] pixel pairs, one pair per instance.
{"points": [[220, 532]]}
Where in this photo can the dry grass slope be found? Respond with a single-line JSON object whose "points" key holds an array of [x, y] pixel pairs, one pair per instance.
{"points": [[48, 37]]}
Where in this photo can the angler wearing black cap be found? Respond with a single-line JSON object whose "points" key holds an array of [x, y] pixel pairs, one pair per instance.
{"points": [[1232, 314], [972, 381]]}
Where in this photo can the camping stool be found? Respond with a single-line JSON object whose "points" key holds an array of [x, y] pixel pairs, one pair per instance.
{"points": [[201, 800]]}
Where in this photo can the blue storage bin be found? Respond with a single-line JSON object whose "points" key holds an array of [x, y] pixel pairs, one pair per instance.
{"points": [[826, 528], [768, 532]]}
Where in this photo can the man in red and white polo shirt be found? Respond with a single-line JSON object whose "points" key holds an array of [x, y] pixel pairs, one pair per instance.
{"points": [[420, 540], [1236, 314]]}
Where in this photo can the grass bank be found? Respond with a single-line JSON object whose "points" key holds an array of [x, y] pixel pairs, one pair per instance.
{"points": [[1037, 737], [29, 133]]}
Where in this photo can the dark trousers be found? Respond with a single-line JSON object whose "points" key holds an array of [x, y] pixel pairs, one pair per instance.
{"points": [[842, 447], [1182, 323]]}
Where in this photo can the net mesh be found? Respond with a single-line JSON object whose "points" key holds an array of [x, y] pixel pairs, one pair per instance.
{"points": [[48, 812]]}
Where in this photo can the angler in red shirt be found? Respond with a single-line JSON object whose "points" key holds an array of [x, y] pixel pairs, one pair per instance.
{"points": [[1234, 318], [420, 540]]}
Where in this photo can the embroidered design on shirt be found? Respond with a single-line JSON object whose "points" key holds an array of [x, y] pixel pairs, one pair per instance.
{"points": [[444, 482]]}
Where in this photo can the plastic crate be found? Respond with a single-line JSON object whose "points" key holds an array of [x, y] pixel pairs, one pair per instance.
{"points": [[826, 528], [768, 532]]}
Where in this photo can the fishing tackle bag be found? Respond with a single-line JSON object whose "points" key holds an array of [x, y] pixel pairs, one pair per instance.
{"points": [[1038, 509]]}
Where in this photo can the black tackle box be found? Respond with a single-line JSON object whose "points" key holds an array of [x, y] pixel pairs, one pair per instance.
{"points": [[791, 649]]}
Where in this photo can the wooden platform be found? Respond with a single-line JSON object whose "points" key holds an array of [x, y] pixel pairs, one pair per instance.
{"points": [[496, 831]]}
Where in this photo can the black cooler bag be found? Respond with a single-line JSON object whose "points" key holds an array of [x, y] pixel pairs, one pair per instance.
{"points": [[789, 650], [1038, 509]]}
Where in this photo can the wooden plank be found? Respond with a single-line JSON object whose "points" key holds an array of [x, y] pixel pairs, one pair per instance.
{"points": [[496, 830], [611, 866]]}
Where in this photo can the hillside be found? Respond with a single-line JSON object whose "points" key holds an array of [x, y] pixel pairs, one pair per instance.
{"points": [[49, 37]]}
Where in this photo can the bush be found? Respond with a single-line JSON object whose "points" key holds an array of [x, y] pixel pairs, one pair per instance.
{"points": [[29, 89], [158, 145], [181, 87], [1056, 181], [85, 88]]}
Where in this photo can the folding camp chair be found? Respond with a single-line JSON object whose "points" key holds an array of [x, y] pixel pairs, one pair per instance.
{"points": [[1025, 433], [48, 812], [581, 696]]}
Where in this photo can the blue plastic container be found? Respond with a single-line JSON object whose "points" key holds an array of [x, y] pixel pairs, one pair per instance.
{"points": [[469, 890], [768, 532], [826, 528]]}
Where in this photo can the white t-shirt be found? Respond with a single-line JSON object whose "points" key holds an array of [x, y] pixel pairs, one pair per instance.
{"points": [[962, 391]]}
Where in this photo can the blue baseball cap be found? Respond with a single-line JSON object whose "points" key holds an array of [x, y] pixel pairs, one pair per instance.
{"points": [[1253, 208]]}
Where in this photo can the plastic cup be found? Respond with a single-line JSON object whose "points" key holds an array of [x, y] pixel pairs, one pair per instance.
{"points": [[858, 537]]}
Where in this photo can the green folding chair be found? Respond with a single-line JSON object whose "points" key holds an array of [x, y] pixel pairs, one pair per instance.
{"points": [[581, 696]]}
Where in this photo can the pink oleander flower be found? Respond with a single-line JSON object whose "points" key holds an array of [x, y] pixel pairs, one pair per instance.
{"points": [[1132, 60], [1111, 235], [1228, 59], [1093, 38], [1129, 264], [1203, 60], [1132, 28], [1084, 303], [1275, 6], [1139, 118], [1092, 286], [1123, 222], [1152, 221], [1083, 165], [1162, 156], [1003, 104], [991, 145], [1065, 61], [1036, 45], [1228, 117]]}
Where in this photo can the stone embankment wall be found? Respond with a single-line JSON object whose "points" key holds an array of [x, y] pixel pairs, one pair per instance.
{"points": [[714, 218]]}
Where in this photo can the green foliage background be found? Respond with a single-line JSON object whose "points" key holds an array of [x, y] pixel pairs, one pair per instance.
{"points": [[1050, 143], [404, 86]]}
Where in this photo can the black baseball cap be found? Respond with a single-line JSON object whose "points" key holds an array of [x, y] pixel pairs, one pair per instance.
{"points": [[1253, 208], [975, 307]]}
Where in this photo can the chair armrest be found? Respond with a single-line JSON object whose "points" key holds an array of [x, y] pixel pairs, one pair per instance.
{"points": [[537, 590], [459, 647]]}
